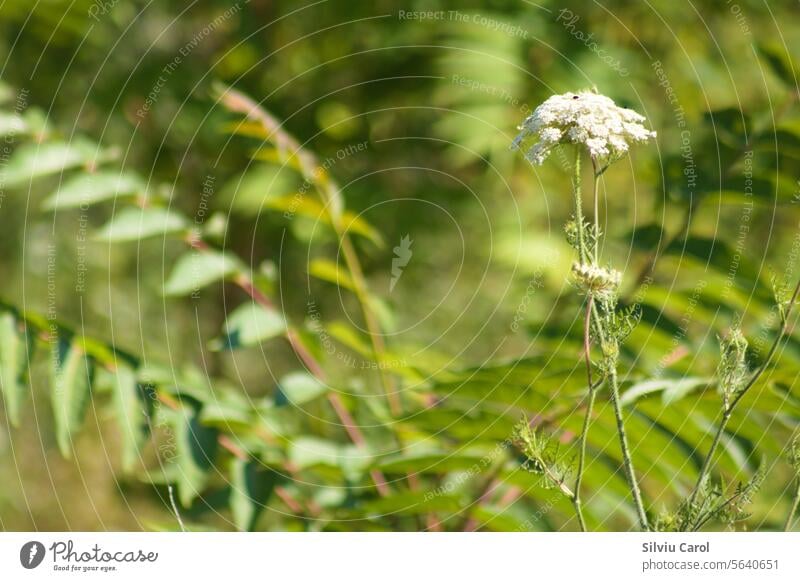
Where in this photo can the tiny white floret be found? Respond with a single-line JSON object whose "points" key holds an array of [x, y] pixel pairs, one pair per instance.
{"points": [[602, 282]]}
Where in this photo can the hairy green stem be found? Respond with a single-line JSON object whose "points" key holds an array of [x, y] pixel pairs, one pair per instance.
{"points": [[627, 459], [576, 190], [588, 418], [597, 321], [726, 416], [565, 490], [759, 371], [596, 211]]}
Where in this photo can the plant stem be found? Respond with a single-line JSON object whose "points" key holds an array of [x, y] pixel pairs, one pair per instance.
{"points": [[313, 366], [627, 459], [375, 332], [726, 416], [759, 371], [593, 315], [589, 409], [308, 165], [565, 490], [596, 212], [576, 190], [795, 503], [175, 508]]}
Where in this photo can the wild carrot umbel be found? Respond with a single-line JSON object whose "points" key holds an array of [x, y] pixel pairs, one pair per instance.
{"points": [[594, 124]]}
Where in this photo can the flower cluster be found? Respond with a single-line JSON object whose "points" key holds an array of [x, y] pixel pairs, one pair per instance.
{"points": [[586, 118], [732, 371], [601, 282]]}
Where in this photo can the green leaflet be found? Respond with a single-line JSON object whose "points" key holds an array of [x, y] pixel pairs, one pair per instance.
{"points": [[409, 502], [250, 324], [251, 486], [311, 452], [436, 462], [91, 188], [70, 390], [34, 160], [15, 348], [227, 408], [194, 270], [12, 124], [131, 224], [307, 205], [133, 404], [298, 388], [192, 453], [775, 55], [329, 271], [672, 389]]}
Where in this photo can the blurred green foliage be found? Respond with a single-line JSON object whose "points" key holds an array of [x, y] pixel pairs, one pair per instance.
{"points": [[413, 114]]}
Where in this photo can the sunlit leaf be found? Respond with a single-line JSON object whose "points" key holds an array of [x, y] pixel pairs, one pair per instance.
{"points": [[671, 389], [308, 452], [70, 390], [192, 453], [134, 403], [132, 223], [15, 350], [12, 124], [305, 204], [91, 188], [251, 487], [34, 160], [194, 270], [329, 271], [250, 324], [298, 388], [779, 61]]}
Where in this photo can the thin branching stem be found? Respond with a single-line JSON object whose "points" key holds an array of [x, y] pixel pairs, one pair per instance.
{"points": [[723, 423], [712, 513], [175, 508], [565, 490], [313, 366], [597, 323], [375, 332], [627, 458], [592, 394], [728, 411], [297, 156]]}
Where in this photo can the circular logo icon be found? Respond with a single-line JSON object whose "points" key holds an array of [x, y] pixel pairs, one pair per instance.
{"points": [[31, 554]]}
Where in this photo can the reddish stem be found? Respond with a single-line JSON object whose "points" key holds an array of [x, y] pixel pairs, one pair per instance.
{"points": [[309, 361]]}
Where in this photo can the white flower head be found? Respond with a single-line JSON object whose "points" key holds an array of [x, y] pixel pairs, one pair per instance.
{"points": [[595, 121], [602, 282]]}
